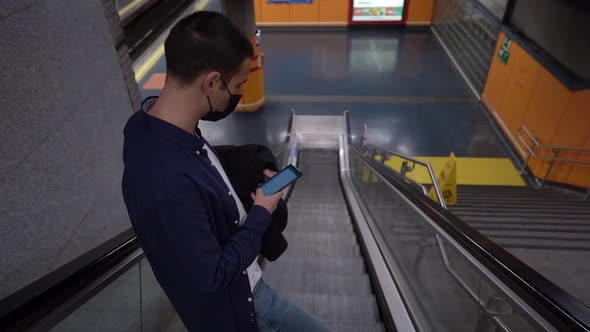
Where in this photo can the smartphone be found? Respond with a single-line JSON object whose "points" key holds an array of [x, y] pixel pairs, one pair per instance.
{"points": [[281, 180]]}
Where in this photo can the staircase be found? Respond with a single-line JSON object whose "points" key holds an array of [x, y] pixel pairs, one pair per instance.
{"points": [[323, 270], [526, 218]]}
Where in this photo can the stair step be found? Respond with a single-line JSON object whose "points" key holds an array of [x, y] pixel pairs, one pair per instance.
{"points": [[527, 234], [542, 244], [534, 228], [522, 202], [485, 219], [344, 326], [305, 249], [524, 194], [319, 283], [319, 264], [533, 209], [499, 214], [358, 308]]}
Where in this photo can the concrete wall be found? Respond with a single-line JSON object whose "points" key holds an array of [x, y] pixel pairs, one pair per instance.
{"points": [[63, 105]]}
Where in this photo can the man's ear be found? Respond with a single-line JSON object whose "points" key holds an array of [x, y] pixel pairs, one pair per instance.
{"points": [[210, 82]]}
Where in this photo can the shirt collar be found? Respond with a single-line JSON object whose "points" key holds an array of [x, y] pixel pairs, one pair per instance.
{"points": [[169, 131]]}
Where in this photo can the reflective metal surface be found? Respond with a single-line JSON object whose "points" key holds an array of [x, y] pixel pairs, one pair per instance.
{"points": [[322, 270], [319, 132], [414, 245]]}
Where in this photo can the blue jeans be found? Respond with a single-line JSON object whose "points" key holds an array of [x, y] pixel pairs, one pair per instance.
{"points": [[277, 314]]}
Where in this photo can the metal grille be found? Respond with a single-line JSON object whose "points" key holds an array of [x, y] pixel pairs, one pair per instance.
{"points": [[469, 36]]}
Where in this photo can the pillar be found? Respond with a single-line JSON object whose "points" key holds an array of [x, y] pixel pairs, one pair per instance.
{"points": [[241, 12]]}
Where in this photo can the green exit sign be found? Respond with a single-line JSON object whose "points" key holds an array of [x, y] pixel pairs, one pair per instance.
{"points": [[504, 53]]}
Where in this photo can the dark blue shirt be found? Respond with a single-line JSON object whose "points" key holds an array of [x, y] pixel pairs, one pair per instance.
{"points": [[183, 215]]}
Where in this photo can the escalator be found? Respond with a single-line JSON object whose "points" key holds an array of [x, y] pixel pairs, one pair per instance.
{"points": [[323, 270], [368, 251]]}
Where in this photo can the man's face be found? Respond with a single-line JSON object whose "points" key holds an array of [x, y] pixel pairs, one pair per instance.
{"points": [[220, 97]]}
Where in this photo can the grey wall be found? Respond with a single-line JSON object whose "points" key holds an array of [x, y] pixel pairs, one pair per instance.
{"points": [[63, 105]]}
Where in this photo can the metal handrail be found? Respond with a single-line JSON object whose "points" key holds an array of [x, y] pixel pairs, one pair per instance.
{"points": [[496, 319], [293, 148], [365, 146], [556, 149], [405, 168]]}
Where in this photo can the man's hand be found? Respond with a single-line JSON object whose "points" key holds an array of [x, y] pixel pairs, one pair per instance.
{"points": [[268, 174], [267, 202]]}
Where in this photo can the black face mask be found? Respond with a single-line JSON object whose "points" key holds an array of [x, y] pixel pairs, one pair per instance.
{"points": [[231, 106]]}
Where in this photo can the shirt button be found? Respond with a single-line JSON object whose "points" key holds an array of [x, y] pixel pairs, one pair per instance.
{"points": [[249, 299], [229, 193], [244, 272], [198, 152], [235, 222]]}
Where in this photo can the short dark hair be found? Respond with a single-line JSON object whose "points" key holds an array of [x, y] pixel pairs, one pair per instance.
{"points": [[205, 41]]}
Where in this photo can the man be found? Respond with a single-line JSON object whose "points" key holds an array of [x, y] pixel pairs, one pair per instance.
{"points": [[194, 231]]}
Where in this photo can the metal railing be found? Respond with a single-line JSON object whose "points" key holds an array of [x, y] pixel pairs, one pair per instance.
{"points": [[406, 167], [493, 317], [534, 145]]}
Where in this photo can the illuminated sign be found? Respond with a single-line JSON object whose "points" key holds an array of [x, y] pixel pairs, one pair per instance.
{"points": [[378, 10]]}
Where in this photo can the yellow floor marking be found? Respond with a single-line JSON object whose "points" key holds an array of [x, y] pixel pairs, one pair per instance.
{"points": [[470, 171]]}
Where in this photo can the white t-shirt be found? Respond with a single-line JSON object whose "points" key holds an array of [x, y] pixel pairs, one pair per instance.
{"points": [[254, 271]]}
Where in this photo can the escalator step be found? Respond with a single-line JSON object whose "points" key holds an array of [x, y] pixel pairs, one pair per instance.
{"points": [[359, 308], [344, 326], [305, 249], [319, 264], [314, 227], [322, 205], [343, 238], [318, 283], [311, 211], [318, 219]]}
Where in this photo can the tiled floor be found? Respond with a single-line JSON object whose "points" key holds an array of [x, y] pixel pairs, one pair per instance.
{"points": [[401, 84]]}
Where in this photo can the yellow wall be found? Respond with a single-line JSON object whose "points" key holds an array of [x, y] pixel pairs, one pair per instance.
{"points": [[319, 13], [420, 12], [524, 93]]}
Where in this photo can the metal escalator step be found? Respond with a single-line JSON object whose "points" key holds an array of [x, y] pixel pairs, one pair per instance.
{"points": [[318, 219], [358, 308], [319, 205], [319, 264], [309, 227], [348, 326], [315, 197], [308, 211], [305, 249], [319, 283], [342, 238]]}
